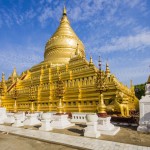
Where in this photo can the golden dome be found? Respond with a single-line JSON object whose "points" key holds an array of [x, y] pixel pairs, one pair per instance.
{"points": [[63, 44]]}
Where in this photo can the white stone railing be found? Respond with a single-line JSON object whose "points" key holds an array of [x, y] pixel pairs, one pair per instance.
{"points": [[79, 117]]}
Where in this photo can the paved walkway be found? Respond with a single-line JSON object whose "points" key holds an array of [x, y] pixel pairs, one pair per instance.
{"points": [[80, 142]]}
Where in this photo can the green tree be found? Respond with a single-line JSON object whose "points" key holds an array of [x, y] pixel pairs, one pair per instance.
{"points": [[139, 90]]}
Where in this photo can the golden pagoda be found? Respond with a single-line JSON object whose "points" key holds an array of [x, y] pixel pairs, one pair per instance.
{"points": [[65, 56]]}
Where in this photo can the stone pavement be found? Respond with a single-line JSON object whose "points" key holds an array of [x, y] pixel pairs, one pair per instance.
{"points": [[74, 141]]}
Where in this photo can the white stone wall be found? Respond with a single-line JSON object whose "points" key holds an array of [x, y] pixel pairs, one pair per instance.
{"points": [[144, 122], [145, 109]]}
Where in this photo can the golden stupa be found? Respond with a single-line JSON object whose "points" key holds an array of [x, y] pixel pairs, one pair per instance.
{"points": [[64, 59]]}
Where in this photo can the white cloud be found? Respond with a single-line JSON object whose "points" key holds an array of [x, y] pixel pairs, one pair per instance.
{"points": [[30, 14], [87, 9], [132, 42], [20, 57], [6, 19], [18, 18], [137, 71], [141, 5], [122, 22], [47, 13], [10, 17], [101, 10], [81, 10], [132, 3]]}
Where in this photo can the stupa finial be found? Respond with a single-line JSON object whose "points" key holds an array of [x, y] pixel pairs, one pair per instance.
{"points": [[91, 61], [100, 63], [64, 10], [14, 73], [107, 68]]}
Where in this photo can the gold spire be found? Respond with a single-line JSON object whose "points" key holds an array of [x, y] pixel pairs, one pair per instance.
{"points": [[107, 69], [3, 77], [77, 50], [64, 18], [14, 73], [101, 106], [64, 11], [63, 43], [91, 61], [3, 83], [131, 84]]}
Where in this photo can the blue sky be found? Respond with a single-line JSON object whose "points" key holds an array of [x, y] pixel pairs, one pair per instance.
{"points": [[117, 30]]}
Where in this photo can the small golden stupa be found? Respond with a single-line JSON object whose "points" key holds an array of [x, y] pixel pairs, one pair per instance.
{"points": [[64, 53]]}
